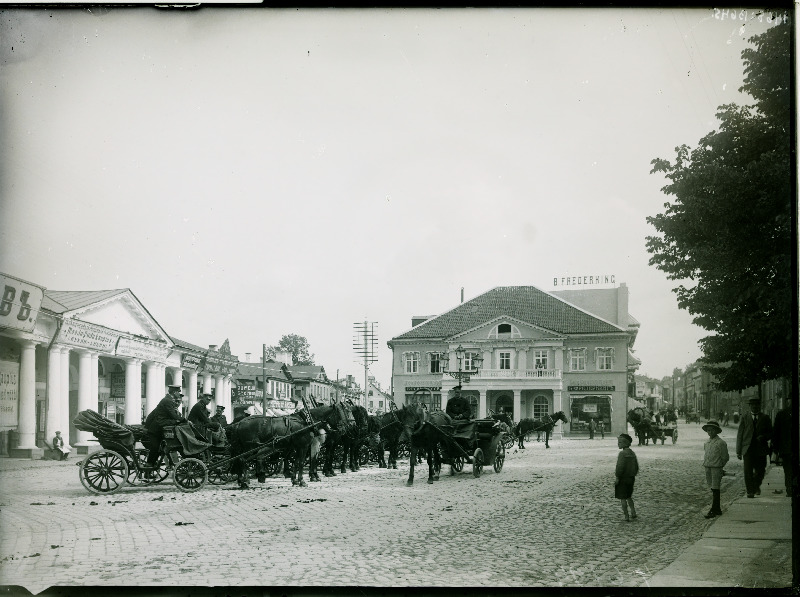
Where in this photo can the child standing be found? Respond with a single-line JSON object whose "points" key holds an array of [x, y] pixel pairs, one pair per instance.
{"points": [[716, 457], [627, 468]]}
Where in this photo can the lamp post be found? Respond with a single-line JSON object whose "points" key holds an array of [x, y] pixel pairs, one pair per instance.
{"points": [[462, 374]]}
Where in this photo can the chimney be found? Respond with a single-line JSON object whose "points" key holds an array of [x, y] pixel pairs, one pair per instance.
{"points": [[247, 357], [212, 347], [622, 305], [462, 294]]}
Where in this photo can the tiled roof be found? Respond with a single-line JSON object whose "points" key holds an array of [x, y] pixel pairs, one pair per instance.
{"points": [[525, 303], [255, 370], [61, 301], [306, 371], [184, 344]]}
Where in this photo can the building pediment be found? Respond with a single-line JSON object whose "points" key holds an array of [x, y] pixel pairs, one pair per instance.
{"points": [[121, 312], [517, 330]]}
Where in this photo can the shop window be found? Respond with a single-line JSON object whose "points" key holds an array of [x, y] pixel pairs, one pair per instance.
{"points": [[431, 400]]}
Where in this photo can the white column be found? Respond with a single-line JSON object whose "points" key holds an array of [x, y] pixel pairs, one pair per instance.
{"points": [[557, 406], [152, 386], [66, 418], [177, 378], [481, 404], [206, 383], [192, 389], [85, 392], [219, 392], [133, 392], [228, 390], [95, 381], [559, 364], [53, 413], [27, 395], [517, 405]]}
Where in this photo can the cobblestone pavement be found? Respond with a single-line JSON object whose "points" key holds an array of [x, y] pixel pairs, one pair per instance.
{"points": [[548, 518]]}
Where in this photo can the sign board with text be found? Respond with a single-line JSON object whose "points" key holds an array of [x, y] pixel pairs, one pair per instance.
{"points": [[139, 349], [20, 303], [81, 334], [9, 394], [217, 366]]}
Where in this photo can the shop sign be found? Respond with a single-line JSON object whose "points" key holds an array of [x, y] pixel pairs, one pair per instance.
{"points": [[590, 388], [246, 392], [20, 303], [138, 349], [590, 408], [82, 334], [423, 387], [593, 280], [117, 385], [218, 366], [9, 394], [190, 361]]}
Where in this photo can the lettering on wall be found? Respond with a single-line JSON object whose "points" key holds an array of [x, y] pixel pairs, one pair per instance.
{"points": [[585, 280], [131, 347], [20, 303], [82, 334], [9, 394]]}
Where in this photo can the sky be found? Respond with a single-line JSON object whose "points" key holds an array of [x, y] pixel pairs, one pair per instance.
{"points": [[251, 173]]}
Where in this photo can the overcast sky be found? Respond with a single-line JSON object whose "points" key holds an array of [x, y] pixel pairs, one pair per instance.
{"points": [[251, 173]]}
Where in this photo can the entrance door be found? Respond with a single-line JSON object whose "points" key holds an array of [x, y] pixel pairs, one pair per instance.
{"points": [[504, 404]]}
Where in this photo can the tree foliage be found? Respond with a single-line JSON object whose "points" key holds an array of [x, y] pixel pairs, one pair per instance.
{"points": [[297, 345], [727, 234]]}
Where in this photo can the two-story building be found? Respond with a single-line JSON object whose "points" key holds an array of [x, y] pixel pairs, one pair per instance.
{"points": [[541, 353]]}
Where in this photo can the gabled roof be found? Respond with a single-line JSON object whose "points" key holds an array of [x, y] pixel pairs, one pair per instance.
{"points": [[61, 301], [273, 370], [525, 303], [307, 372]]}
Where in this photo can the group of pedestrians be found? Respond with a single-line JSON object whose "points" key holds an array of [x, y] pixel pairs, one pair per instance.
{"points": [[755, 439]]}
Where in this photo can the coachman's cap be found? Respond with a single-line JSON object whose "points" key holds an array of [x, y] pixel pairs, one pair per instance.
{"points": [[220, 407], [209, 396], [175, 389], [754, 399]]}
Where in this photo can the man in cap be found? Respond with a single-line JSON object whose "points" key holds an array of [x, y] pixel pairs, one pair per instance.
{"points": [[752, 446], [219, 416], [199, 416], [163, 415]]}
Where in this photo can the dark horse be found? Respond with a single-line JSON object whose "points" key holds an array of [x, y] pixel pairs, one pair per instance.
{"points": [[642, 427], [346, 440], [544, 425], [290, 434], [390, 429], [420, 430]]}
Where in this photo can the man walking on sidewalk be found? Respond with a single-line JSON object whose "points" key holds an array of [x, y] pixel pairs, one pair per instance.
{"points": [[782, 442], [752, 446]]}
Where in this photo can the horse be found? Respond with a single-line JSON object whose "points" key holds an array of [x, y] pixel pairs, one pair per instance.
{"points": [[419, 429], [346, 441], [258, 431], [389, 429], [544, 425], [642, 427]]}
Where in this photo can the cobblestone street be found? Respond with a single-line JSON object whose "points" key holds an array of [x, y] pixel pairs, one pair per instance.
{"points": [[548, 518]]}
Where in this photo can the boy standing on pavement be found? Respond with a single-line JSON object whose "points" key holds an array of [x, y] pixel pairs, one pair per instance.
{"points": [[627, 468], [715, 458]]}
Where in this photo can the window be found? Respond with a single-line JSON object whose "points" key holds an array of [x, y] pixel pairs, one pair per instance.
{"points": [[435, 362], [505, 360], [541, 407], [605, 359], [412, 361], [468, 360], [540, 359], [577, 359], [504, 330]]}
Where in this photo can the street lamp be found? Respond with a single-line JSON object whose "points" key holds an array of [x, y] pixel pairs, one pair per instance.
{"points": [[462, 374]]}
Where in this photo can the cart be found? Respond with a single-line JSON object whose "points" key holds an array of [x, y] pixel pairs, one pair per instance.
{"points": [[662, 432], [477, 442]]}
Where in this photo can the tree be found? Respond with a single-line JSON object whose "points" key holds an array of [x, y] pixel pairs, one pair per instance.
{"points": [[728, 232], [297, 345]]}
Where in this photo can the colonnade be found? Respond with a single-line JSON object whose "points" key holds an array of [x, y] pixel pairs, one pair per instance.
{"points": [[57, 409]]}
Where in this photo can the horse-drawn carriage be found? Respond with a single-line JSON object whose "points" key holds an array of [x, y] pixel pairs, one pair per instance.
{"points": [[662, 432], [646, 429], [478, 442], [191, 460]]}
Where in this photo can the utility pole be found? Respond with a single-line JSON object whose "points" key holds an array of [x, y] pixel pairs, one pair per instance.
{"points": [[365, 344], [264, 377]]}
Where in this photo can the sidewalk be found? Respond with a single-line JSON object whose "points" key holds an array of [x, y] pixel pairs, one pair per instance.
{"points": [[749, 546]]}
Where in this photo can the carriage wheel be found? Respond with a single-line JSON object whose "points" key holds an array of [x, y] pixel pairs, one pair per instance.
{"points": [[158, 474], [104, 472], [273, 466], [190, 474], [363, 455], [674, 435], [220, 474], [457, 465], [499, 457], [477, 462]]}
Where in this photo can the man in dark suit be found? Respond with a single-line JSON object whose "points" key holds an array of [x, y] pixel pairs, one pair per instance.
{"points": [[219, 417], [752, 446], [164, 414], [782, 442], [200, 418]]}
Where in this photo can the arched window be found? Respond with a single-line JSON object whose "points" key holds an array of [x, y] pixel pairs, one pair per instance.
{"points": [[504, 330], [541, 407]]}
